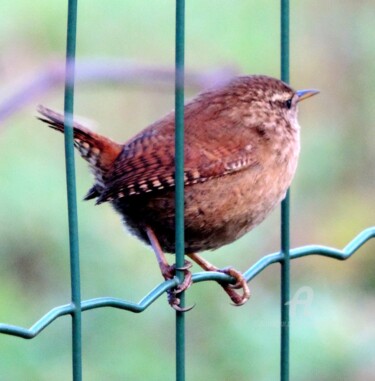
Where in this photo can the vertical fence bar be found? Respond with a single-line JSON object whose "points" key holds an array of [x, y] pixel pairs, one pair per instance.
{"points": [[71, 190], [285, 207], [179, 180]]}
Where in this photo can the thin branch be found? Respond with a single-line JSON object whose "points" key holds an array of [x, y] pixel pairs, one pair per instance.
{"points": [[107, 71]]}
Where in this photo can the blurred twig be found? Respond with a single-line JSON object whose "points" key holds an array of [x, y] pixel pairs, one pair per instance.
{"points": [[107, 71]]}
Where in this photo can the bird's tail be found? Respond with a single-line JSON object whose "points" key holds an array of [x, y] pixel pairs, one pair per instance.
{"points": [[100, 152]]}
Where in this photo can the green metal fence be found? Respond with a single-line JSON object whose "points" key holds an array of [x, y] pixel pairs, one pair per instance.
{"points": [[77, 306]]}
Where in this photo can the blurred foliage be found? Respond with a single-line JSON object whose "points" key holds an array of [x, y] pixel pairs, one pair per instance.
{"points": [[333, 199]]}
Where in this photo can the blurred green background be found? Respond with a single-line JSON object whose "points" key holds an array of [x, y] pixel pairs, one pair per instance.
{"points": [[332, 49]]}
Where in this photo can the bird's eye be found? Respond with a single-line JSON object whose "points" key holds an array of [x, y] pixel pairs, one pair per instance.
{"points": [[288, 103]]}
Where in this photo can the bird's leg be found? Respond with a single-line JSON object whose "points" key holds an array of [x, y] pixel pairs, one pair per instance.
{"points": [[236, 298], [169, 271]]}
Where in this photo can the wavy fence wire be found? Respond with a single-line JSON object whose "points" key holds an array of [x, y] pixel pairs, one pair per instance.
{"points": [[77, 306]]}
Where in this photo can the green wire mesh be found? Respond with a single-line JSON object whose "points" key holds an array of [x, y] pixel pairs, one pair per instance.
{"points": [[285, 215], [71, 192], [179, 181], [283, 257], [351, 248]]}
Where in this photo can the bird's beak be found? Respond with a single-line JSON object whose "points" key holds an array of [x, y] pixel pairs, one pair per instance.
{"points": [[304, 94]]}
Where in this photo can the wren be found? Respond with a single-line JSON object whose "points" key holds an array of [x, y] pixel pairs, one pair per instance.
{"points": [[242, 142]]}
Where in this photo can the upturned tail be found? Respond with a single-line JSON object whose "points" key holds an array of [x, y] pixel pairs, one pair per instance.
{"points": [[100, 152]]}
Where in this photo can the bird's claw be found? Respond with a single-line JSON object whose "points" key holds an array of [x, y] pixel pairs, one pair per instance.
{"points": [[169, 273], [175, 302], [187, 265], [237, 299], [186, 283]]}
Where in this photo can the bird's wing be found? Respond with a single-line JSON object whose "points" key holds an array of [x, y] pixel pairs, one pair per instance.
{"points": [[146, 164]]}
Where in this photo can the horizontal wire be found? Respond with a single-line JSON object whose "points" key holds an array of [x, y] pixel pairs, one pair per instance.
{"points": [[160, 289]]}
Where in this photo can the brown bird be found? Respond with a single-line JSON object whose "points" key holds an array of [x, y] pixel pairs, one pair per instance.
{"points": [[242, 143]]}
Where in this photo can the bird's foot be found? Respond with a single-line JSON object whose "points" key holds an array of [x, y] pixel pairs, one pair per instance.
{"points": [[237, 298], [169, 272]]}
